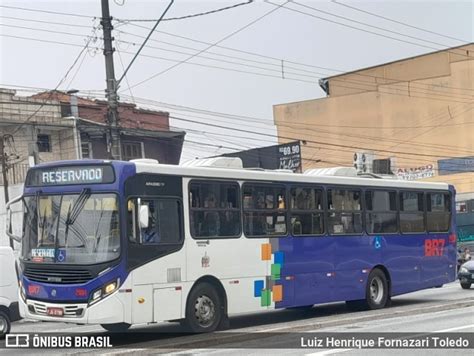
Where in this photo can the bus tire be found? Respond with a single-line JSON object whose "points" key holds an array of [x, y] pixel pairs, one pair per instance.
{"points": [[204, 309], [5, 324], [116, 328], [376, 292], [465, 285]]}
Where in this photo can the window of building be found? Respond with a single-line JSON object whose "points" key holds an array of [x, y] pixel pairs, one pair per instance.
{"points": [[306, 208], [344, 211], [131, 150], [86, 149], [381, 209], [264, 210], [438, 212], [44, 143], [215, 209], [411, 212], [164, 222]]}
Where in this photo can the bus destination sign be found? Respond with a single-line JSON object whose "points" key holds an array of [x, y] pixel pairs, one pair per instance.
{"points": [[70, 175]]}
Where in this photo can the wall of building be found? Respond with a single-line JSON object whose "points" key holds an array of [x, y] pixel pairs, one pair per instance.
{"points": [[417, 122]]}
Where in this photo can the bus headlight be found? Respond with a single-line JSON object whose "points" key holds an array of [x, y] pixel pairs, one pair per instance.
{"points": [[109, 288], [104, 291]]}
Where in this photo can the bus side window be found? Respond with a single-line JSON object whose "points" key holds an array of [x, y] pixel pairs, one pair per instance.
{"points": [[344, 211], [411, 212], [381, 209], [264, 210], [307, 217], [214, 209], [164, 222], [438, 212]]}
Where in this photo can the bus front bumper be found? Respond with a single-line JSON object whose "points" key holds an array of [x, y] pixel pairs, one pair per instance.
{"points": [[110, 310]]}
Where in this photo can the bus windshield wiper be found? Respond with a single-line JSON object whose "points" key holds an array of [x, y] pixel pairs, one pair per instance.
{"points": [[74, 211]]}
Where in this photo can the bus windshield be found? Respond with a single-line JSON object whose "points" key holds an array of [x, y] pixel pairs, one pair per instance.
{"points": [[71, 229]]}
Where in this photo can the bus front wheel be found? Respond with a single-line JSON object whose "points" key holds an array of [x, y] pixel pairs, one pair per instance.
{"points": [[116, 328], [4, 324], [204, 309], [376, 293]]}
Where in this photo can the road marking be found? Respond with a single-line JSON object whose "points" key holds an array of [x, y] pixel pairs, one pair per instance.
{"points": [[335, 351], [453, 329]]}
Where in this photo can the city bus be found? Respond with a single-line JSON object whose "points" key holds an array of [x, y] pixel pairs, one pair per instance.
{"points": [[124, 243]]}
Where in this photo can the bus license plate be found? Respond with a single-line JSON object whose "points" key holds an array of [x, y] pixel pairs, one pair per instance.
{"points": [[55, 311]]}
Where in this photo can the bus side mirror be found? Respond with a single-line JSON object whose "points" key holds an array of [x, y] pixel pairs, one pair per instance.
{"points": [[143, 216]]}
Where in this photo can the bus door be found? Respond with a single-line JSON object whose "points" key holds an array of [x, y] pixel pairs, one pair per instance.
{"points": [[155, 238]]}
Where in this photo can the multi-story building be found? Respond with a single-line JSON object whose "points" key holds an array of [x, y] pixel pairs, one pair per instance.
{"points": [[416, 111], [53, 126]]}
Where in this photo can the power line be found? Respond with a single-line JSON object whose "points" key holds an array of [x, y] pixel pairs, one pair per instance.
{"points": [[47, 11], [209, 47], [190, 16], [368, 25], [395, 21], [44, 22], [358, 28]]}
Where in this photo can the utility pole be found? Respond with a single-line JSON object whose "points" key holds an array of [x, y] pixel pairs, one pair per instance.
{"points": [[111, 91], [4, 158]]}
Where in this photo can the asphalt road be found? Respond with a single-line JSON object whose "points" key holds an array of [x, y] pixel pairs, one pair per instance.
{"points": [[447, 309]]}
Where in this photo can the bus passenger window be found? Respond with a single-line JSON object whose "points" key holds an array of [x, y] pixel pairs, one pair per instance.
{"points": [[381, 209], [411, 212], [214, 209], [344, 211], [264, 210], [306, 206], [438, 213]]}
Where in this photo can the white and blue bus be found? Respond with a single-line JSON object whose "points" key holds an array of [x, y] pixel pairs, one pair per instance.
{"points": [[123, 243]]}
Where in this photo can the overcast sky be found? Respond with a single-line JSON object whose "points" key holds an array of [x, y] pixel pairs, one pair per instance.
{"points": [[302, 36]]}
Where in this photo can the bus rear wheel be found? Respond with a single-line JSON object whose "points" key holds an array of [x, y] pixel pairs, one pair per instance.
{"points": [[204, 309], [116, 328], [376, 293]]}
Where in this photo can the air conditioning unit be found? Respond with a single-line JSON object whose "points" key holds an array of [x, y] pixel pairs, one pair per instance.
{"points": [[363, 162]]}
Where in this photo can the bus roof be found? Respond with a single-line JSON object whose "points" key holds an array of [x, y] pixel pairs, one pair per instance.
{"points": [[277, 176]]}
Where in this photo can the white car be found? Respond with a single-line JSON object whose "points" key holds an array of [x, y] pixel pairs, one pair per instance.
{"points": [[8, 291]]}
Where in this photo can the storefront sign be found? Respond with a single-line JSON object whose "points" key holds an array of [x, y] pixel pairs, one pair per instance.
{"points": [[415, 173]]}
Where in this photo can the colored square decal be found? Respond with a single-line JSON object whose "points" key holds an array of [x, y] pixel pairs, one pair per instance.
{"points": [[257, 288], [276, 271], [266, 252], [277, 293], [278, 257], [265, 299]]}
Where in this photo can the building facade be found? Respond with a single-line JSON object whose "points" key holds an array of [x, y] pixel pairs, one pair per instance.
{"points": [[416, 113]]}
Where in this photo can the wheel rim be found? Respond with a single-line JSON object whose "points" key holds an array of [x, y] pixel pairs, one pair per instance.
{"points": [[376, 290], [3, 325], [205, 311]]}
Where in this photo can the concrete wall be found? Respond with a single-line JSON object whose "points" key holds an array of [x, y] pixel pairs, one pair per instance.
{"points": [[429, 115]]}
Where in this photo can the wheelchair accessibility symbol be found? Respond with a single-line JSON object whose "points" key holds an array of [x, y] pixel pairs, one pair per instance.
{"points": [[61, 256], [378, 242]]}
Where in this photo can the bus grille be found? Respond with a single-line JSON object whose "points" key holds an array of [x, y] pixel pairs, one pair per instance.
{"points": [[70, 310], [57, 276]]}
